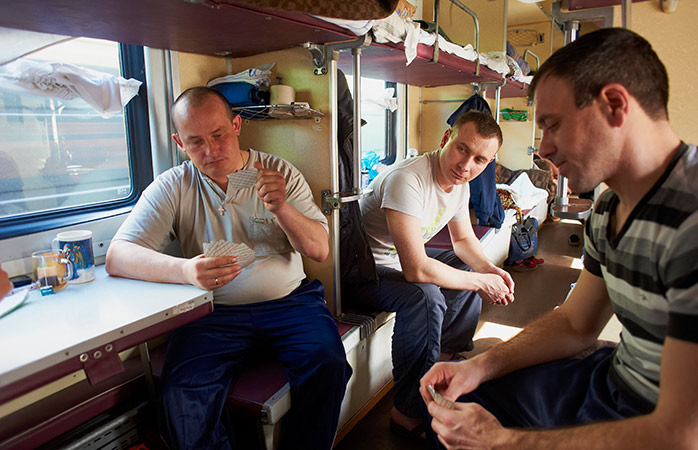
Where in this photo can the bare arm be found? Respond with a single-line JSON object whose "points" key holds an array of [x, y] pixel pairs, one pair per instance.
{"points": [[129, 260], [467, 246], [307, 236], [419, 268], [673, 424], [560, 333]]}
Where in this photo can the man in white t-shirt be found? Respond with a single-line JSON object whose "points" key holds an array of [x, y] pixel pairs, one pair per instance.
{"points": [[436, 293]]}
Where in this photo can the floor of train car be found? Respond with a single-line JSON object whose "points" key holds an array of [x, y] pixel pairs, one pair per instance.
{"points": [[537, 292]]}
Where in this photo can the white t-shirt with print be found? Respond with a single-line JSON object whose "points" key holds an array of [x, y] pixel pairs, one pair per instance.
{"points": [[411, 187]]}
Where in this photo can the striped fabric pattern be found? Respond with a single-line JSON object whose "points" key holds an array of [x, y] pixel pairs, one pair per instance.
{"points": [[651, 271]]}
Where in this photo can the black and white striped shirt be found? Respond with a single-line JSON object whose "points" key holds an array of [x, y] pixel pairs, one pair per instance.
{"points": [[651, 272]]}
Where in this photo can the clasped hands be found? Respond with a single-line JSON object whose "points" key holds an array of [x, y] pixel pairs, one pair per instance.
{"points": [[498, 286]]}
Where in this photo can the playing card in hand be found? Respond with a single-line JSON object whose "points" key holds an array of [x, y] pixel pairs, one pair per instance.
{"points": [[438, 398], [220, 247], [242, 179]]}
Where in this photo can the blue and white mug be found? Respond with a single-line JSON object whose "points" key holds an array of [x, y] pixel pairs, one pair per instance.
{"points": [[77, 247]]}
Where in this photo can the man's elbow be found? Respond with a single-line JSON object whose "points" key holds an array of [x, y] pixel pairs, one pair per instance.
{"points": [[319, 248], [111, 263], [321, 253], [414, 275]]}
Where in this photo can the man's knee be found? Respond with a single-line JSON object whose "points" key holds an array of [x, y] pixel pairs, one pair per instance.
{"points": [[322, 367], [329, 354], [431, 297]]}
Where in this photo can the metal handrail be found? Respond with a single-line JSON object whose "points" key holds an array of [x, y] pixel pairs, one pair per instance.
{"points": [[476, 22], [333, 199], [529, 52]]}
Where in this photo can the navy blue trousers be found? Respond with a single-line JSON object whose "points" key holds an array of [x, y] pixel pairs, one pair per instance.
{"points": [[429, 320], [205, 356], [559, 393]]}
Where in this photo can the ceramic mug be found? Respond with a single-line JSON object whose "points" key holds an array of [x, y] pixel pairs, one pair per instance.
{"points": [[77, 247], [51, 268]]}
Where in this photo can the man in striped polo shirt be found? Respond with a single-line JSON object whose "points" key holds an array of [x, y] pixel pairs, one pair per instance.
{"points": [[602, 107]]}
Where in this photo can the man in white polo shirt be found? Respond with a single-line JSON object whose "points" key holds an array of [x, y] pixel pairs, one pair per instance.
{"points": [[244, 197]]}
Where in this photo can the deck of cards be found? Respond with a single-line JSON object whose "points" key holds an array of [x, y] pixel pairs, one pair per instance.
{"points": [[439, 399], [220, 247]]}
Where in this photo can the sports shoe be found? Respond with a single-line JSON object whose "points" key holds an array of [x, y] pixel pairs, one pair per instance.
{"points": [[538, 261], [524, 265], [574, 240]]}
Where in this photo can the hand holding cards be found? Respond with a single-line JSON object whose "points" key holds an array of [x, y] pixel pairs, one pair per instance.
{"points": [[244, 254], [271, 188], [438, 398]]}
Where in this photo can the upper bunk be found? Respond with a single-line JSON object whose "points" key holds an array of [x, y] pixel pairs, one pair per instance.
{"points": [[225, 28]]}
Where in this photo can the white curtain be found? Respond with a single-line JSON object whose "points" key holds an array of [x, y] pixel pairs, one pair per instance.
{"points": [[106, 93]]}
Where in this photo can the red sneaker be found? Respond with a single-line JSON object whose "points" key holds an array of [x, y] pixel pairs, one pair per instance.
{"points": [[524, 265]]}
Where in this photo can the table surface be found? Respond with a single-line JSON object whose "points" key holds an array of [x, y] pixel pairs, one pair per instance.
{"points": [[47, 331]]}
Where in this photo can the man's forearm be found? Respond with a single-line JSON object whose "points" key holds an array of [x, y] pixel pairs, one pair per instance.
{"points": [[129, 260], [635, 433], [470, 252], [560, 333], [548, 338], [443, 275], [307, 236]]}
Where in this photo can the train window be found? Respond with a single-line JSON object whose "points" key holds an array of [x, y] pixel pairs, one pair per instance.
{"points": [[379, 134], [61, 163]]}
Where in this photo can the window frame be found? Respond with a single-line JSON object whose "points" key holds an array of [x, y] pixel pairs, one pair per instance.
{"points": [[132, 61], [391, 135]]}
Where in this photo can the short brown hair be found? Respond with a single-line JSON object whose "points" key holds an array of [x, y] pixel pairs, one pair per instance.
{"points": [[486, 126], [610, 55], [196, 96]]}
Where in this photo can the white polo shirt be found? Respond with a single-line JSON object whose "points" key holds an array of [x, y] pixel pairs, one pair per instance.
{"points": [[185, 205]]}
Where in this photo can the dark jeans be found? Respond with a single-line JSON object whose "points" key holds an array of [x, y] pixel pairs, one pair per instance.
{"points": [[205, 356], [429, 320], [559, 393]]}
